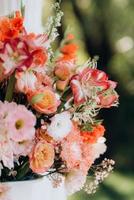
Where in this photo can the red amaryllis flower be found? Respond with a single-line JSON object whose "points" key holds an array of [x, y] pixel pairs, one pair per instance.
{"points": [[14, 54], [88, 80], [108, 98], [17, 54]]}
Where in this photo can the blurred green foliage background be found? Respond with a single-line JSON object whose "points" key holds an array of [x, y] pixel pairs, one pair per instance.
{"points": [[106, 28]]}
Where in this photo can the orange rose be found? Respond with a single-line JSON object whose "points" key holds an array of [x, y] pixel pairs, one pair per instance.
{"points": [[43, 100], [42, 157]]}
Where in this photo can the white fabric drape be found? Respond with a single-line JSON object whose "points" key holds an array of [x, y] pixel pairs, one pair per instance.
{"points": [[8, 6], [33, 12]]}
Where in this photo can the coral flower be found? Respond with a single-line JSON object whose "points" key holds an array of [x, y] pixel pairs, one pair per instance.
{"points": [[43, 100], [71, 152], [10, 28], [69, 49], [43, 78], [41, 157], [92, 136], [40, 56], [62, 71]]}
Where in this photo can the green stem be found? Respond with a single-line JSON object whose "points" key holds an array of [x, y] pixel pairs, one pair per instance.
{"points": [[10, 88], [23, 171], [22, 8]]}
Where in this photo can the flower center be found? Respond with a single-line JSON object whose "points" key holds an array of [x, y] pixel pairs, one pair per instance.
{"points": [[15, 56], [19, 124]]}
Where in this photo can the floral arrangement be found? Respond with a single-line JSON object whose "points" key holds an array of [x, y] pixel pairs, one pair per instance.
{"points": [[48, 108]]}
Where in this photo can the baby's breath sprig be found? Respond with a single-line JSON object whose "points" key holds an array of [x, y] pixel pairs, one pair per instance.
{"points": [[101, 172], [54, 22]]}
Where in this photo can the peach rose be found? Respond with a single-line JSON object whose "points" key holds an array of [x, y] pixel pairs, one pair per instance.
{"points": [[61, 85], [42, 157], [43, 100], [63, 71], [42, 135]]}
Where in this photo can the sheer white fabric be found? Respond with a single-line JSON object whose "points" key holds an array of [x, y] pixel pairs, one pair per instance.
{"points": [[33, 15], [8, 6], [33, 12]]}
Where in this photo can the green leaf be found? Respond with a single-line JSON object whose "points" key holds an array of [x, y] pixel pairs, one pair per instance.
{"points": [[87, 127], [10, 88], [23, 171], [37, 98]]}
